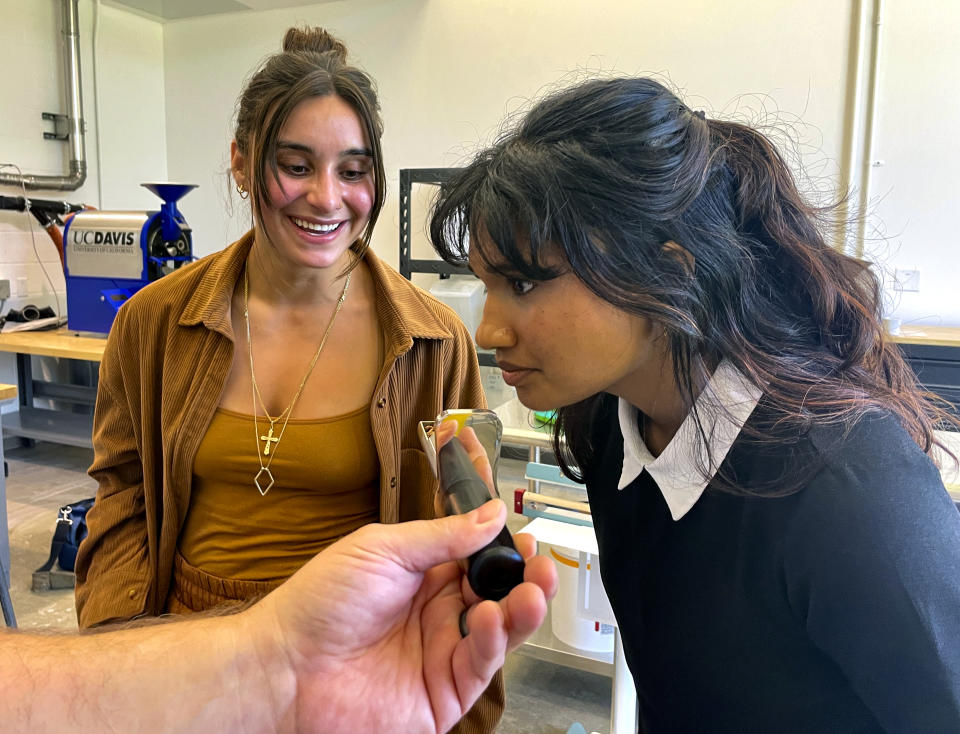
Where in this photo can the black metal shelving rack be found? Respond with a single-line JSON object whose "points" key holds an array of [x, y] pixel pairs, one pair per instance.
{"points": [[408, 265]]}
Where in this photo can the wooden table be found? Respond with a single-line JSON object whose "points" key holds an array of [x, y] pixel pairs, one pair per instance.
{"points": [[935, 336], [58, 426]]}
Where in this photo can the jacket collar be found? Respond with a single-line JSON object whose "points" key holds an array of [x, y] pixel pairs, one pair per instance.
{"points": [[210, 303], [723, 407], [402, 309]]}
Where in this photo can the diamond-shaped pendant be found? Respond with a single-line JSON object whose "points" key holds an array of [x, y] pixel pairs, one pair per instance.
{"points": [[256, 480]]}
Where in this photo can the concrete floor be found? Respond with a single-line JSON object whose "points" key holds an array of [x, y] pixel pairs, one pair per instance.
{"points": [[542, 698], [42, 479]]}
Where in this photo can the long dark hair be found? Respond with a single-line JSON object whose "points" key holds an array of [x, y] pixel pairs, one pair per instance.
{"points": [[607, 172], [312, 63]]}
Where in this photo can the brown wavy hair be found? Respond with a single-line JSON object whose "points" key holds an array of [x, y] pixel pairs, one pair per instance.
{"points": [[312, 63], [610, 170]]}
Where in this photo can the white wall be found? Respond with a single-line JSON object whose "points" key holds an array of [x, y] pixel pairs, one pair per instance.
{"points": [[132, 106], [916, 192], [449, 70], [30, 45], [130, 53], [132, 136]]}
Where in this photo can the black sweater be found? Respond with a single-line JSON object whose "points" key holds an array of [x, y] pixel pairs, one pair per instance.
{"points": [[834, 609]]}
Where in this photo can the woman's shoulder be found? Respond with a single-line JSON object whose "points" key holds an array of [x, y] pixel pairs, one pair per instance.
{"points": [[178, 287], [874, 467], [412, 301], [876, 442], [162, 302]]}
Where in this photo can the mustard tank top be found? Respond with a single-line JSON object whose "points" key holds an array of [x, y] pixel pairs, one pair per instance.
{"points": [[327, 485]]}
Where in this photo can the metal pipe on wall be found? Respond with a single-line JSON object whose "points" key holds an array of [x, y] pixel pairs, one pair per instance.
{"points": [[852, 132], [868, 161], [860, 123], [78, 162]]}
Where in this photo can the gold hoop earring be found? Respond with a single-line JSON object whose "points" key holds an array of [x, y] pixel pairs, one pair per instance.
{"points": [[242, 191]]}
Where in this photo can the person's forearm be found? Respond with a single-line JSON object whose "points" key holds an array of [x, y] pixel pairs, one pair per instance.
{"points": [[205, 676]]}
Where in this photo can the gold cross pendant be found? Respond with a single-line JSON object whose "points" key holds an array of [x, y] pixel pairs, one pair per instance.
{"points": [[267, 440]]}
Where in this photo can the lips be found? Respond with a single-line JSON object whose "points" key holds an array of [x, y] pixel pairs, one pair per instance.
{"points": [[513, 374]]}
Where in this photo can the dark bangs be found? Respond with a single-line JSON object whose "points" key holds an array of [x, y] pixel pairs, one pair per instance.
{"points": [[512, 210]]}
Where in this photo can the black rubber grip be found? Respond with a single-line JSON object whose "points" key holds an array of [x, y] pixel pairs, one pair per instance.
{"points": [[19, 204], [497, 567]]}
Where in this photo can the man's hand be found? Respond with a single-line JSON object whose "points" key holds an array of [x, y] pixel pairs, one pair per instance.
{"points": [[371, 625]]}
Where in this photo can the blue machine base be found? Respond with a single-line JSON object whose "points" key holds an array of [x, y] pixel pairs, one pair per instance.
{"points": [[92, 303]]}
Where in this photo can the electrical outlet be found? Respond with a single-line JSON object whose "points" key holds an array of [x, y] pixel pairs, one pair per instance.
{"points": [[4, 289], [22, 290], [908, 281]]}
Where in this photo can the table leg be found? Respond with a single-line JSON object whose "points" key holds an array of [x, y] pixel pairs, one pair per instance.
{"points": [[25, 380], [623, 707], [533, 455], [25, 387], [5, 600]]}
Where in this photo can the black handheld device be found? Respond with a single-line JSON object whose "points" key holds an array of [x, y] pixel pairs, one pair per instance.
{"points": [[497, 567]]}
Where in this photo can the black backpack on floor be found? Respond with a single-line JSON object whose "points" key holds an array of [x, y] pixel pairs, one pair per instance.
{"points": [[70, 532]]}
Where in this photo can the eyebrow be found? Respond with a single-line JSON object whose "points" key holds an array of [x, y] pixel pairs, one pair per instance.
{"points": [[348, 153]]}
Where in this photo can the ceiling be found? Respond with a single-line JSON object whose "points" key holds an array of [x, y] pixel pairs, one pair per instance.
{"points": [[176, 9]]}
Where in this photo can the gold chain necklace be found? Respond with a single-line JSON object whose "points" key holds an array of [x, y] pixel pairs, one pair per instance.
{"points": [[269, 439]]}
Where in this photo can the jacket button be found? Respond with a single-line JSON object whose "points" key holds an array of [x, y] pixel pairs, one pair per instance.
{"points": [[381, 402], [393, 482], [132, 593]]}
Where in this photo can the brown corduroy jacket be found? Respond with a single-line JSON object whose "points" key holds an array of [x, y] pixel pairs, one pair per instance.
{"points": [[163, 371]]}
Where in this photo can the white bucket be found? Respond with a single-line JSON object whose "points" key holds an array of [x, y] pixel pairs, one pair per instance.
{"points": [[568, 626]]}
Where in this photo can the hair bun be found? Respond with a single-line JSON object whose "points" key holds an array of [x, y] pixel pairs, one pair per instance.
{"points": [[315, 40]]}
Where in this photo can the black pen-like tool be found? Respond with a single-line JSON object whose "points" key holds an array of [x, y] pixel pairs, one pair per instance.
{"points": [[497, 567]]}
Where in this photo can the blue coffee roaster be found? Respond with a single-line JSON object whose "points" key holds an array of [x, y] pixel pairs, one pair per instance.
{"points": [[109, 256]]}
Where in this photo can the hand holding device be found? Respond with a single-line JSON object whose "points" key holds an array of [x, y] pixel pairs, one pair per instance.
{"points": [[496, 568]]}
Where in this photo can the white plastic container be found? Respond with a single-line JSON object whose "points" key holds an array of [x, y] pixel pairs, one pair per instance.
{"points": [[568, 627], [465, 295]]}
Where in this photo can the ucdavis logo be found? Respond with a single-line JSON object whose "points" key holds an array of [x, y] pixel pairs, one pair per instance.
{"points": [[99, 237]]}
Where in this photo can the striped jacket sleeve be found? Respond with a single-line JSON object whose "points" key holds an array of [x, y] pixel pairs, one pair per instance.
{"points": [[113, 567]]}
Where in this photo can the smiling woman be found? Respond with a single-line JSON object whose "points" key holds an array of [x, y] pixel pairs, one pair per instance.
{"points": [[319, 200], [264, 402]]}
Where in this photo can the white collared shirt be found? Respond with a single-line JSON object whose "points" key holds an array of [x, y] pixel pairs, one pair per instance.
{"points": [[723, 406]]}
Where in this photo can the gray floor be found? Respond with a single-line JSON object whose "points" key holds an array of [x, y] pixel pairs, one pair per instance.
{"points": [[42, 479], [542, 698]]}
